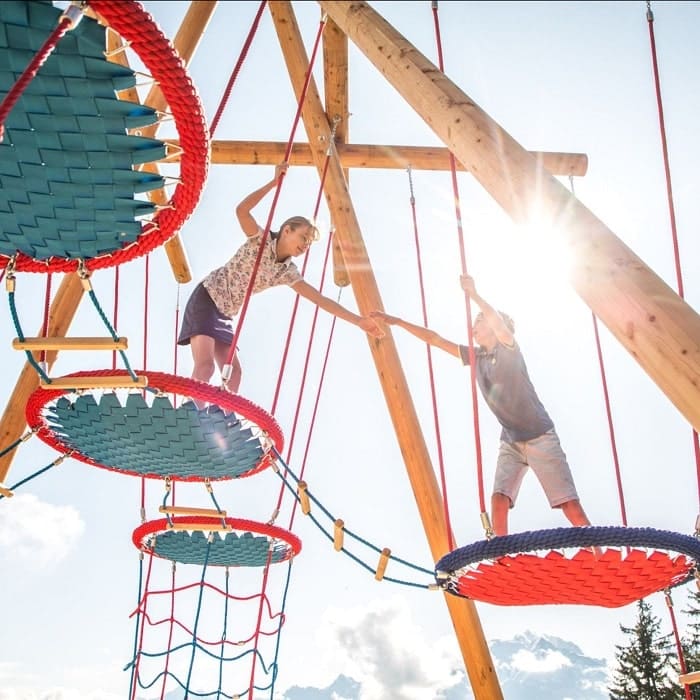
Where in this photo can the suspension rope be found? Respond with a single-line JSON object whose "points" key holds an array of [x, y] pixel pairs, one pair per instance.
{"points": [[472, 356], [266, 231], [608, 410], [679, 646], [679, 281], [236, 70], [431, 374], [67, 21], [671, 210]]}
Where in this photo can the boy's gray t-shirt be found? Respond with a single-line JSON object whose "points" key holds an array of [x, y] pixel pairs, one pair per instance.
{"points": [[505, 384]]}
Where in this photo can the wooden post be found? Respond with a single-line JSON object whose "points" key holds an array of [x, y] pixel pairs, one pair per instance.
{"points": [[408, 429]]}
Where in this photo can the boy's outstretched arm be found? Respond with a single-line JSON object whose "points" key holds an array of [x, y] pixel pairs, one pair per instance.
{"points": [[425, 334]]}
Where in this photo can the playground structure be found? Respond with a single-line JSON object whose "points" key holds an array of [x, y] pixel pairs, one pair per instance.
{"points": [[646, 316]]}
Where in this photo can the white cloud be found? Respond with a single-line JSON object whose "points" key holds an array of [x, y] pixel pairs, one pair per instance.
{"points": [[55, 693], [37, 532], [385, 651], [525, 660]]}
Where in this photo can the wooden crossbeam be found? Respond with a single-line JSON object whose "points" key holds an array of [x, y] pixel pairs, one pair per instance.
{"points": [[364, 155], [56, 343], [689, 678]]}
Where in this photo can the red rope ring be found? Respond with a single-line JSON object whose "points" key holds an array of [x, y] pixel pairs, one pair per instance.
{"points": [[163, 525], [165, 383], [136, 26]]}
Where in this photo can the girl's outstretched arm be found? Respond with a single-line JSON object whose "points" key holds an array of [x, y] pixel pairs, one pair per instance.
{"points": [[369, 325]]}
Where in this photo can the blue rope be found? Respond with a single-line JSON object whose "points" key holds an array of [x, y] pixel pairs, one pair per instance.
{"points": [[560, 538], [21, 482], [196, 619], [350, 534], [20, 335], [112, 332]]}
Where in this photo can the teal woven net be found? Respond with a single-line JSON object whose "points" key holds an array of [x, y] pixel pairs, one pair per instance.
{"points": [[67, 181], [231, 550], [155, 439]]}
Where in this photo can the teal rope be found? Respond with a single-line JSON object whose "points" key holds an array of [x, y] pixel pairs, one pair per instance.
{"points": [[352, 535], [35, 474], [112, 332], [279, 628], [196, 618], [20, 335]]}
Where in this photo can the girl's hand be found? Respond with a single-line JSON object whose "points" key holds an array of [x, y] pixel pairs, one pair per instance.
{"points": [[280, 170], [370, 326]]}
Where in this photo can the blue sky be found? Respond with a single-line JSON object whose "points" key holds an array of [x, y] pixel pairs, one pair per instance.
{"points": [[566, 76]]}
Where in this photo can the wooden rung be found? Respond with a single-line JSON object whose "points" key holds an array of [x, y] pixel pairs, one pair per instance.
{"points": [[121, 381], [202, 528], [338, 534], [689, 678], [186, 510], [383, 561], [6, 492], [56, 343], [303, 498]]}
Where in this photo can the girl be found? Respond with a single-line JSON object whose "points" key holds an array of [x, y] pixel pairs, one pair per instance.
{"points": [[207, 324]]}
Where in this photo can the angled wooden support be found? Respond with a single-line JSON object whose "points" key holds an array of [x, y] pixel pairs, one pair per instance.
{"points": [[658, 328], [55, 343], [13, 421], [186, 41], [470, 637]]}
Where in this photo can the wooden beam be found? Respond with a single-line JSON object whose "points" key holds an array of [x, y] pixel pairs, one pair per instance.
{"points": [[112, 381], [658, 328], [689, 678], [13, 421], [44, 343], [335, 84], [393, 381], [364, 155]]}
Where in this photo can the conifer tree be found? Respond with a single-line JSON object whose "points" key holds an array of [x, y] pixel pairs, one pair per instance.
{"points": [[645, 666]]}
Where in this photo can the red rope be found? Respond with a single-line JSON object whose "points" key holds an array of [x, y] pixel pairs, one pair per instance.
{"points": [[10, 100], [431, 374], [312, 333], [47, 306], [669, 194], [463, 259], [679, 647], [236, 70], [608, 409], [266, 232]]}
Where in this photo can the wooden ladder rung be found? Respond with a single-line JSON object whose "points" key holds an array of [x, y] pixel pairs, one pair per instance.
{"points": [[4, 491], [689, 678], [186, 510], [121, 381], [57, 343], [209, 527]]}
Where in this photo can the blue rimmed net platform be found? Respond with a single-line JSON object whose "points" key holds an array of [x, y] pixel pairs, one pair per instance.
{"points": [[147, 434], [71, 187], [212, 541], [602, 566]]}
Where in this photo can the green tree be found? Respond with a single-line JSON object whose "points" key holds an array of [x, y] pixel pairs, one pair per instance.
{"points": [[691, 639], [646, 666]]}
